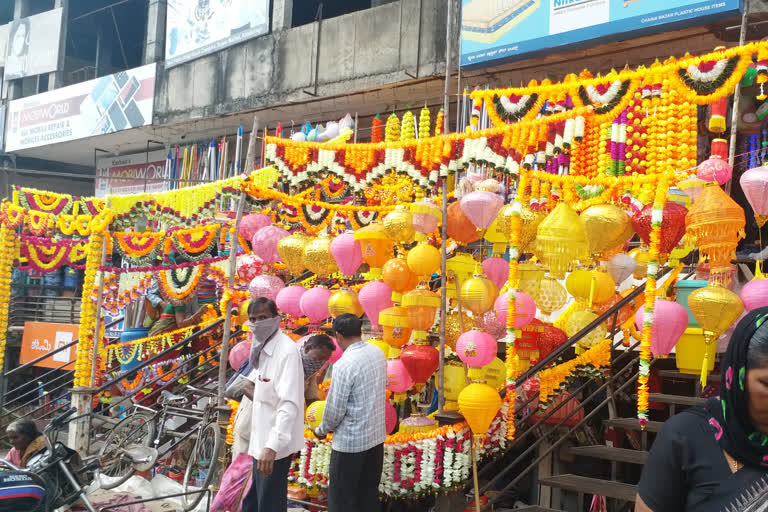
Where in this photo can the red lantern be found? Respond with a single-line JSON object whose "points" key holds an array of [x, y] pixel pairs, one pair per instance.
{"points": [[421, 361], [672, 225], [549, 339]]}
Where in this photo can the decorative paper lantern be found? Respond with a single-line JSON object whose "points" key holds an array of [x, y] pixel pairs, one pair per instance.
{"points": [[395, 324], [491, 324], [344, 301], [479, 404], [314, 415], [426, 216], [397, 275], [552, 296], [578, 321], [459, 268], [550, 338], [754, 183], [250, 224], [375, 246], [530, 220], [481, 207], [460, 228], [525, 308], [421, 361], [265, 241], [607, 226], [717, 222], [754, 294], [381, 345], [242, 311], [249, 266], [422, 305], [239, 354], [416, 423], [476, 348], [561, 240], [620, 267], [477, 294], [527, 343], [495, 374], [456, 324], [681, 250], [641, 257], [693, 187], [265, 286], [288, 300], [497, 270], [496, 237], [454, 381], [715, 168], [584, 284], [318, 257], [398, 378], [291, 251], [529, 276], [672, 225], [624, 313], [347, 252], [398, 225], [424, 260], [374, 297], [390, 417], [314, 304], [670, 320]]}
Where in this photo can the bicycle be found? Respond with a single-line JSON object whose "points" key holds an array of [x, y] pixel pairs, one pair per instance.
{"points": [[147, 426]]}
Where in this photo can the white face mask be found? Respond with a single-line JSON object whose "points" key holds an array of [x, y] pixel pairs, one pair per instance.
{"points": [[264, 329]]}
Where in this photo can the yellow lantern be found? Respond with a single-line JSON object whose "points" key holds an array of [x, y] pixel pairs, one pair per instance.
{"points": [[454, 380], [243, 311], [641, 257], [395, 324], [552, 296], [590, 286], [715, 308], [530, 224], [529, 276], [478, 294], [424, 260], [318, 257], [291, 251], [344, 301], [577, 321], [495, 374], [314, 415], [561, 240], [375, 246], [683, 249], [422, 305], [398, 225], [494, 235], [459, 268], [381, 345], [479, 404], [455, 325], [607, 226]]}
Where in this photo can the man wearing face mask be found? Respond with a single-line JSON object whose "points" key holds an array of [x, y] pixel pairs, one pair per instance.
{"points": [[277, 421]]}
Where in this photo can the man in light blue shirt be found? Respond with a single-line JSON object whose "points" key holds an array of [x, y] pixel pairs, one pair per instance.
{"points": [[354, 412]]}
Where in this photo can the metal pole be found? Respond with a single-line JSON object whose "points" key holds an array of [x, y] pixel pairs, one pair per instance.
{"points": [[444, 227], [99, 298], [736, 102]]}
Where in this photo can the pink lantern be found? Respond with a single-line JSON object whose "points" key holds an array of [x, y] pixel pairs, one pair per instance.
{"points": [[347, 253], [374, 297], [491, 324], [670, 320], [249, 266], [239, 354], [251, 224], [525, 309], [497, 270], [716, 169], [398, 378], [264, 243], [754, 183], [426, 216], [476, 348], [265, 286], [390, 417], [314, 304], [481, 207], [754, 294], [288, 300]]}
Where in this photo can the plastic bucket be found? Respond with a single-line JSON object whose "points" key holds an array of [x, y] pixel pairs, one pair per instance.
{"points": [[682, 290], [129, 358], [689, 352], [71, 278]]}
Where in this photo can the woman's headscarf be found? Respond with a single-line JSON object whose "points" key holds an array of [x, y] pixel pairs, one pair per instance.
{"points": [[729, 415]]}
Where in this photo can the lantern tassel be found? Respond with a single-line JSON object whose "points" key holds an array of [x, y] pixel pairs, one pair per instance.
{"points": [[705, 370], [761, 219]]}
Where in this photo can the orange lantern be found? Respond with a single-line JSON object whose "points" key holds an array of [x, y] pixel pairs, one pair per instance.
{"points": [[422, 305], [375, 245], [460, 228], [398, 276], [396, 326]]}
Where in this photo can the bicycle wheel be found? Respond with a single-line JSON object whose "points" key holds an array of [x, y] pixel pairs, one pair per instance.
{"points": [[136, 429], [202, 463]]}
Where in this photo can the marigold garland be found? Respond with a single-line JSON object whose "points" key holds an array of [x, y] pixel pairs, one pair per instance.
{"points": [[7, 252], [551, 379], [87, 334]]}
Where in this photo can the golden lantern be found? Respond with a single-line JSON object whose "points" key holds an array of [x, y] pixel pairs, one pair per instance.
{"points": [[375, 246], [529, 276], [424, 260], [398, 276], [717, 222], [715, 308], [607, 226], [530, 224], [344, 301], [577, 321], [396, 326], [561, 240], [454, 380], [477, 294], [459, 268], [422, 305], [552, 296], [291, 251], [479, 404], [318, 257], [495, 374], [242, 311], [314, 415], [398, 225], [455, 325], [590, 286], [496, 237], [641, 257]]}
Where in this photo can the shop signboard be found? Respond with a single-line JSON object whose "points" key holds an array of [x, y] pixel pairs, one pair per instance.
{"points": [[131, 174], [105, 105], [494, 31], [41, 338], [33, 45], [195, 28]]}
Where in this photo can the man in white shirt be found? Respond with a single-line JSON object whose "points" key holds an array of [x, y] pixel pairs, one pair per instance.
{"points": [[277, 422]]}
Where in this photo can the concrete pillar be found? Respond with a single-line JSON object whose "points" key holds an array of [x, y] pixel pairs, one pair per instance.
{"points": [[154, 41], [282, 12], [56, 78], [104, 37]]}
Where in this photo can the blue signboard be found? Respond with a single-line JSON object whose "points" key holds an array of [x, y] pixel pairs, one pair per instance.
{"points": [[503, 30]]}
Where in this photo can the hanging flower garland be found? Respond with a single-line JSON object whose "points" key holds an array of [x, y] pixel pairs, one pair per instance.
{"points": [[12, 215], [45, 255], [178, 284], [87, 334], [139, 248], [7, 253], [194, 244], [551, 380], [511, 359], [702, 82], [48, 202], [128, 386]]}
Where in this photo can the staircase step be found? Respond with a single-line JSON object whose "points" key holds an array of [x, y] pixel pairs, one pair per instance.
{"points": [[611, 453], [583, 484], [674, 374], [633, 424], [676, 399]]}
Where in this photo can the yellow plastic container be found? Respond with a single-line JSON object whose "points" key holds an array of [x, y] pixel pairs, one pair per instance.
{"points": [[689, 352]]}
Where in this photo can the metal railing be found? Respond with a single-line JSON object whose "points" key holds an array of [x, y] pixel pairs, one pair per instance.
{"points": [[42, 308]]}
